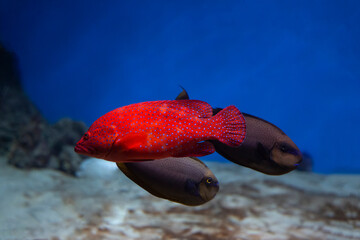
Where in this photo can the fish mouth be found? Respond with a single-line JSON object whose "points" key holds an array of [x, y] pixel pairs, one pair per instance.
{"points": [[81, 149], [87, 151], [210, 193], [300, 159]]}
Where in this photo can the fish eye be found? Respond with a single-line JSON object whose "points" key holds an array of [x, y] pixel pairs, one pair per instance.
{"points": [[284, 148], [86, 136], [209, 180]]}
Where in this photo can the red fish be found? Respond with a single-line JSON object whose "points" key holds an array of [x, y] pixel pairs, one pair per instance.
{"points": [[160, 129]]}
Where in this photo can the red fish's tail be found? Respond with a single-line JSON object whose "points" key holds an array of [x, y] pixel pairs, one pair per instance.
{"points": [[232, 128]]}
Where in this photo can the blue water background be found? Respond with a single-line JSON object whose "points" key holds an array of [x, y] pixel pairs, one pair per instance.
{"points": [[293, 63]]}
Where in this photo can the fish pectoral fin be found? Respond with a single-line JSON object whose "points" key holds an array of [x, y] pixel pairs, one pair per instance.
{"points": [[132, 141], [192, 188], [262, 151], [197, 150]]}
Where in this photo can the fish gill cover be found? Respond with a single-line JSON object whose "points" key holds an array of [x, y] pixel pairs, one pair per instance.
{"points": [[292, 63]]}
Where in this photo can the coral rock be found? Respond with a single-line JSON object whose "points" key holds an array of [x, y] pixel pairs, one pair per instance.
{"points": [[26, 138]]}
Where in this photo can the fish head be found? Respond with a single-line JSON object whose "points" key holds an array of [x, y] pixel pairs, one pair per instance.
{"points": [[286, 154], [208, 187], [97, 141]]}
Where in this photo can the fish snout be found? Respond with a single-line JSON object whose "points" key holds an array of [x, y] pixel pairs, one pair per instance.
{"points": [[210, 192], [215, 184], [80, 149], [299, 158], [77, 149]]}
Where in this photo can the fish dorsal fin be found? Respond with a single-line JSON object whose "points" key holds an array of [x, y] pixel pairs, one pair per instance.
{"points": [[194, 107], [262, 120], [216, 110], [198, 160], [123, 168], [183, 95]]}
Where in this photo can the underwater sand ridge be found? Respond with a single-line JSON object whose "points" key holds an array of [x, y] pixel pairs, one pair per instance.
{"points": [[104, 204]]}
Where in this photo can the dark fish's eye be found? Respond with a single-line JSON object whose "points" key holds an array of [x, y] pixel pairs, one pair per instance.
{"points": [[285, 148], [209, 180], [86, 136]]}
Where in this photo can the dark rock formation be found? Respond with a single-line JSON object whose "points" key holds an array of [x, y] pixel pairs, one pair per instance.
{"points": [[43, 146], [15, 109], [26, 138]]}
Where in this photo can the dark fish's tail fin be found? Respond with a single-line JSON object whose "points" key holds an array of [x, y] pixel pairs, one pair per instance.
{"points": [[233, 126]]}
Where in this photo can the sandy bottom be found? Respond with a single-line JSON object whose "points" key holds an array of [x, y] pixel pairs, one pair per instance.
{"points": [[103, 204]]}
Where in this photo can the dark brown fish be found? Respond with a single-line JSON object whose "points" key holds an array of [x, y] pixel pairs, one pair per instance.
{"points": [[183, 180], [266, 147]]}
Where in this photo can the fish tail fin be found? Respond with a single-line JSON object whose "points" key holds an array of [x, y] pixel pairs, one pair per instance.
{"points": [[232, 128]]}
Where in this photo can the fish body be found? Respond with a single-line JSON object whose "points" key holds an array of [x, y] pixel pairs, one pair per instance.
{"points": [[266, 148], [160, 129], [183, 180]]}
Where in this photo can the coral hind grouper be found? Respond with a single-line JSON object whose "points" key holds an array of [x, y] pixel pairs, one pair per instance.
{"points": [[183, 180], [266, 148], [160, 129]]}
